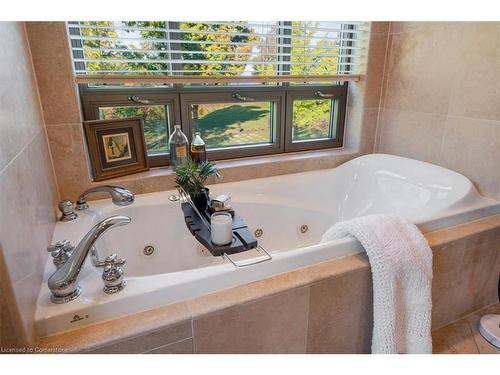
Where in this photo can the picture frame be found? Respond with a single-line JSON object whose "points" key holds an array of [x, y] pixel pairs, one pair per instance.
{"points": [[116, 147]]}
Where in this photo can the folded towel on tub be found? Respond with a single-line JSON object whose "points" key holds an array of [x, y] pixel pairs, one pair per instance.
{"points": [[401, 264]]}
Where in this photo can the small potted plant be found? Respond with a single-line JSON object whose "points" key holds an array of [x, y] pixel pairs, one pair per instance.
{"points": [[191, 177]]}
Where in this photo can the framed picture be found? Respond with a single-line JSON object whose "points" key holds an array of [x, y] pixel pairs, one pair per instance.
{"points": [[116, 147]]}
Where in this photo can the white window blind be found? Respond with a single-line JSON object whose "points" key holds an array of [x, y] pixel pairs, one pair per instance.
{"points": [[208, 51]]}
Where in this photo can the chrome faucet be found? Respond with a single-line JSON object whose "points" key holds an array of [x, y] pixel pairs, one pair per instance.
{"points": [[119, 195], [64, 282]]}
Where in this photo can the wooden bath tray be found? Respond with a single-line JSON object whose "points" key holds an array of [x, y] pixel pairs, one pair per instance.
{"points": [[243, 239]]}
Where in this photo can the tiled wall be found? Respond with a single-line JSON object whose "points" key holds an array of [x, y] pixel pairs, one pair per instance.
{"points": [[28, 193], [441, 98], [60, 104]]}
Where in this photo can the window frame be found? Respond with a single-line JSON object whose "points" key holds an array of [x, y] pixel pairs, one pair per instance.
{"points": [[179, 97], [338, 94], [94, 98], [226, 96]]}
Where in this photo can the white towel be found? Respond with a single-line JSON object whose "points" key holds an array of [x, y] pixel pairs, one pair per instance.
{"points": [[401, 264]]}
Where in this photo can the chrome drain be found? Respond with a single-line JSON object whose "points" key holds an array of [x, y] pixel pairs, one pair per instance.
{"points": [[148, 250], [174, 198], [258, 232], [303, 228]]}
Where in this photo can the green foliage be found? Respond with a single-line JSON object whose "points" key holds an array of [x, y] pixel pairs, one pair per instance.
{"points": [[155, 123], [310, 54], [215, 52], [311, 118], [192, 177]]}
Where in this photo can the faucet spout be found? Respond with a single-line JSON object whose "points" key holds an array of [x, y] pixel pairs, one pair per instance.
{"points": [[64, 282], [119, 195]]}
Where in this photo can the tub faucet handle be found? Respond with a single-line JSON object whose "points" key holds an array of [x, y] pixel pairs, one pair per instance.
{"points": [[112, 275], [60, 252], [113, 260], [67, 211]]}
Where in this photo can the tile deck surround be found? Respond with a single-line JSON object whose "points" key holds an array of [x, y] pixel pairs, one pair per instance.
{"points": [[308, 300]]}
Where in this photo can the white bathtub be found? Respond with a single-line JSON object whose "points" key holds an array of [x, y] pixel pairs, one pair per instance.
{"points": [[179, 268]]}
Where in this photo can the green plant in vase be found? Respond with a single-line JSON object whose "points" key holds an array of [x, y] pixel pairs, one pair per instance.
{"points": [[191, 177]]}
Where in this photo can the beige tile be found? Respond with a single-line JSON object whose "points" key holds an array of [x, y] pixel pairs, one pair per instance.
{"points": [[149, 341], [272, 325], [335, 268], [472, 147], [356, 95], [415, 135], [243, 169], [160, 179], [112, 332], [465, 279], [418, 78], [476, 89], [51, 58], [379, 27], [27, 185], [158, 183], [456, 82], [181, 347], [210, 303], [483, 346], [375, 70], [353, 128], [70, 160], [220, 300], [12, 331], [406, 27], [466, 235], [366, 92], [455, 338], [340, 314], [361, 130], [20, 117]]}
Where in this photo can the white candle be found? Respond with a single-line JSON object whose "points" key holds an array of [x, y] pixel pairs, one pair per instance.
{"points": [[221, 224]]}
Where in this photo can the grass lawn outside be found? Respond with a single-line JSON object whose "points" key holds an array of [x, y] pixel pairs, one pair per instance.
{"points": [[228, 124]]}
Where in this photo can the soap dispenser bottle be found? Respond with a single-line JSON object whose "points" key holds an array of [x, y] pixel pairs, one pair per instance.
{"points": [[178, 144]]}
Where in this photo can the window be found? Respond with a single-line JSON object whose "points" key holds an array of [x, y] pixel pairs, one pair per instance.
{"points": [[236, 124], [249, 88], [316, 118]]}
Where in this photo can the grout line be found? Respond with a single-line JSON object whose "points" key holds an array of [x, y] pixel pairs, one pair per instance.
{"points": [[192, 335], [64, 124], [418, 112], [383, 91], [473, 336], [308, 301], [443, 136], [164, 345], [24, 148]]}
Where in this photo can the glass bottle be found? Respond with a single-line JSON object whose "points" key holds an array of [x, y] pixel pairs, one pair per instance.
{"points": [[198, 149], [178, 144]]}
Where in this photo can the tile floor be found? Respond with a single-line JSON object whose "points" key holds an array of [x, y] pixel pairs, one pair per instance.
{"points": [[463, 337]]}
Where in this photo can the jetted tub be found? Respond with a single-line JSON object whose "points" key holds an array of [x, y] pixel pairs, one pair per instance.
{"points": [[180, 268]]}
